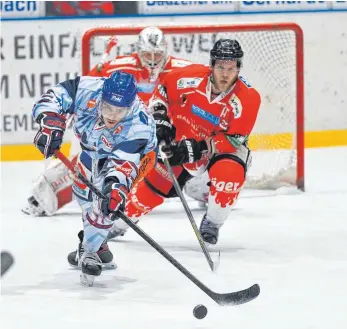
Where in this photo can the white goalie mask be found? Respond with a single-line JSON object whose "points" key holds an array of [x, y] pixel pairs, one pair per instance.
{"points": [[152, 50]]}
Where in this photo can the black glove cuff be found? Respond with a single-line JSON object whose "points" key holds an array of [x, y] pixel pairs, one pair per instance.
{"points": [[203, 146], [160, 109], [39, 118], [109, 181]]}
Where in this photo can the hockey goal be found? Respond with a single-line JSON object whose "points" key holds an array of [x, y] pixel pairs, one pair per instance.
{"points": [[273, 64]]}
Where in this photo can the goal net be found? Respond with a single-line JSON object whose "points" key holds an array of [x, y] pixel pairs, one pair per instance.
{"points": [[273, 64]]}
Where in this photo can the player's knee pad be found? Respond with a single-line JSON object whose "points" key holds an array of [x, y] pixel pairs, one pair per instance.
{"points": [[242, 155], [81, 190], [141, 200], [226, 179]]}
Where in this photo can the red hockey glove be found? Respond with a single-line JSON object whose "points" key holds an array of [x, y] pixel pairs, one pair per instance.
{"points": [[116, 196], [50, 135]]}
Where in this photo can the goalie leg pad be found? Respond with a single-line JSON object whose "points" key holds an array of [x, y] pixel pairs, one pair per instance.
{"points": [[53, 189]]}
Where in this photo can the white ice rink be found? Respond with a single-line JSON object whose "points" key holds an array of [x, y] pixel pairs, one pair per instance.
{"points": [[293, 246]]}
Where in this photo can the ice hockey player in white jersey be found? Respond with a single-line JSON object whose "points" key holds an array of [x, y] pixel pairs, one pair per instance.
{"points": [[52, 190], [115, 132]]}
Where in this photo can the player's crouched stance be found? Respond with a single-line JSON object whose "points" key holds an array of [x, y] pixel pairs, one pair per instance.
{"points": [[204, 115], [115, 132]]}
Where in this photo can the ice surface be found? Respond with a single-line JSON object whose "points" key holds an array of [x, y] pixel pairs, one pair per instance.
{"points": [[294, 246]]}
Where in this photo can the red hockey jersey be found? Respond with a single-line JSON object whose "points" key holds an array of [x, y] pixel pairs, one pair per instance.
{"points": [[132, 64], [228, 118]]}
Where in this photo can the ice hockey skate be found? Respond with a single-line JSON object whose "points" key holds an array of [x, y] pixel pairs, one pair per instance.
{"points": [[91, 267], [104, 253], [209, 231]]}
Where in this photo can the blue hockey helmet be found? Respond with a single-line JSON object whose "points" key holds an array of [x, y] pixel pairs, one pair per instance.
{"points": [[119, 89], [118, 94]]}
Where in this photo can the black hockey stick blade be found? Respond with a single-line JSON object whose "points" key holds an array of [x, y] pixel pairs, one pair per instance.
{"points": [[6, 262], [233, 298], [228, 299], [238, 297]]}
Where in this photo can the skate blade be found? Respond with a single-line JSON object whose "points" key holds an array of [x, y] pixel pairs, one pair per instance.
{"points": [[109, 266], [105, 266], [87, 280]]}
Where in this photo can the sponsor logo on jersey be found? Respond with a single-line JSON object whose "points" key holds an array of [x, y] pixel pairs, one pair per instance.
{"points": [[236, 105], [143, 117], [224, 117], [106, 142], [245, 82], [126, 168], [118, 129], [91, 103], [188, 83], [205, 115]]}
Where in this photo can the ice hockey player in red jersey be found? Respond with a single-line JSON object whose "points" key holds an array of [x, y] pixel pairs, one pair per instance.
{"points": [[206, 115], [149, 65]]}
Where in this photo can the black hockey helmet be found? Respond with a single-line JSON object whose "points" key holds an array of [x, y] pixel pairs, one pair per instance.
{"points": [[226, 49]]}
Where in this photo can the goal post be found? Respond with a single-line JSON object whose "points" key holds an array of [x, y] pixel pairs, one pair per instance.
{"points": [[273, 63]]}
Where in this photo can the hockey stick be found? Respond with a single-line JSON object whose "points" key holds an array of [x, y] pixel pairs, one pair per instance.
{"points": [[232, 298], [6, 262], [213, 265]]}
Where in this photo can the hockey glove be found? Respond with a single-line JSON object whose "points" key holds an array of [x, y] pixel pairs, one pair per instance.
{"points": [[50, 135], [116, 196], [165, 130], [186, 151]]}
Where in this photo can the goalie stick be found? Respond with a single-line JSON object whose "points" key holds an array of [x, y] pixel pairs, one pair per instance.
{"points": [[213, 265], [6, 262], [232, 298]]}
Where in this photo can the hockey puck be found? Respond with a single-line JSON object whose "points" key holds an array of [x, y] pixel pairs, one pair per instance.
{"points": [[200, 311]]}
